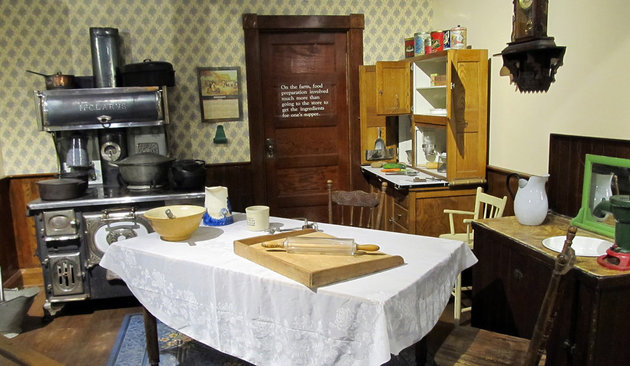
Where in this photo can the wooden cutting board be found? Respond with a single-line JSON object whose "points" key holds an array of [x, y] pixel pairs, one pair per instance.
{"points": [[313, 270]]}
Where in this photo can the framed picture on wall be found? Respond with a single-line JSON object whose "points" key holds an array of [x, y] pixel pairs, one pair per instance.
{"points": [[220, 94]]}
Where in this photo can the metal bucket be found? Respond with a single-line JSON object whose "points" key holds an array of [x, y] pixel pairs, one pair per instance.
{"points": [[14, 308]]}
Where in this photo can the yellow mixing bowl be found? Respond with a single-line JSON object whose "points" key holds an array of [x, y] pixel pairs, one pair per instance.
{"points": [[185, 220]]}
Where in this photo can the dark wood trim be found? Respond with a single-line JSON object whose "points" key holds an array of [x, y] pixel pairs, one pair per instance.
{"points": [[304, 22], [8, 251], [254, 104], [355, 59], [18, 243]]}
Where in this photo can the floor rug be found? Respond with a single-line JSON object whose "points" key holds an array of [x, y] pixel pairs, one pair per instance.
{"points": [[175, 348]]}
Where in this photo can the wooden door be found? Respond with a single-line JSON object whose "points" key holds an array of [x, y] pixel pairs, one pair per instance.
{"points": [[393, 85], [370, 121], [467, 148], [303, 109]]}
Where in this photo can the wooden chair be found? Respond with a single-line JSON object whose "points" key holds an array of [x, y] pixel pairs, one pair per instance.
{"points": [[486, 206], [472, 346], [356, 208]]}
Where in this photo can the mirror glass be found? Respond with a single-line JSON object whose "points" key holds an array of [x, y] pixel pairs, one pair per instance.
{"points": [[604, 176]]}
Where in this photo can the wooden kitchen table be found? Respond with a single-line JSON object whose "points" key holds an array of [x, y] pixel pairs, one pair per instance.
{"points": [[202, 289]]}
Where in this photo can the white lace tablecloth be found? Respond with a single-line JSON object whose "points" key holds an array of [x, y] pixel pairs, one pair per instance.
{"points": [[204, 290]]}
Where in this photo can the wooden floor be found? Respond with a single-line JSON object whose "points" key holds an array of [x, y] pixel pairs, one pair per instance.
{"points": [[83, 333]]}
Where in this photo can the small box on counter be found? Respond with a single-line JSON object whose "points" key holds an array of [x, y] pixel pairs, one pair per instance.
{"points": [[438, 80]]}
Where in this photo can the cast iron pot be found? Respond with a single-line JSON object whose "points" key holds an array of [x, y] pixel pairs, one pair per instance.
{"points": [[61, 188], [189, 174], [56, 81], [148, 73], [145, 169], [81, 173]]}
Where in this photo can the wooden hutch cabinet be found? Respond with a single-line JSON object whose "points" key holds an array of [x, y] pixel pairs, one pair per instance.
{"points": [[510, 280], [434, 109]]}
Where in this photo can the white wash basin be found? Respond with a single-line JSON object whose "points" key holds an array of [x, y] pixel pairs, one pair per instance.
{"points": [[583, 245]]}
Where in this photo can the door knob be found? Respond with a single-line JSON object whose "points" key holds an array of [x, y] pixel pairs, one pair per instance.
{"points": [[269, 146]]}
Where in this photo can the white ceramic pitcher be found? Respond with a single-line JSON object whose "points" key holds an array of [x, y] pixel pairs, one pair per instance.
{"points": [[530, 202], [218, 210], [601, 187]]}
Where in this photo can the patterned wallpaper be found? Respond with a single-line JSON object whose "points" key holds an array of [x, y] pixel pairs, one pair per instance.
{"points": [[53, 35]]}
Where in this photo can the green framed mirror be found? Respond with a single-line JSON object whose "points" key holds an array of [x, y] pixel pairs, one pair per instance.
{"points": [[604, 176]]}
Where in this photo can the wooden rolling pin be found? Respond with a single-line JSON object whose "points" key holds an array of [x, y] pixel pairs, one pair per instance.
{"points": [[314, 245]]}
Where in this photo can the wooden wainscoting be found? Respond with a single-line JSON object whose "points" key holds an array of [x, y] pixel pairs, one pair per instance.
{"points": [[239, 180], [8, 251], [20, 265], [497, 178]]}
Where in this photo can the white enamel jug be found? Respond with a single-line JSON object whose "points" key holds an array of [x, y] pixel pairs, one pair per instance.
{"points": [[218, 210], [601, 187], [601, 190], [530, 201]]}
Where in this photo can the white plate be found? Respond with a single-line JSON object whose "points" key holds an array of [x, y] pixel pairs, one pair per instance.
{"points": [[583, 245]]}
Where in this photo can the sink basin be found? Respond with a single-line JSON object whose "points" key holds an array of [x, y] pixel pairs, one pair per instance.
{"points": [[583, 245]]}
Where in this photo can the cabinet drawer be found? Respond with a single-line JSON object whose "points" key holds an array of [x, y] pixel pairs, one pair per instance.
{"points": [[400, 216], [399, 229], [400, 198]]}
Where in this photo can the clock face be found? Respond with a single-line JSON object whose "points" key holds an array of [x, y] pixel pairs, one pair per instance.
{"points": [[523, 22], [525, 4]]}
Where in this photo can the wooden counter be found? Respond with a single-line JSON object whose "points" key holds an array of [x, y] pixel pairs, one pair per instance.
{"points": [[510, 280]]}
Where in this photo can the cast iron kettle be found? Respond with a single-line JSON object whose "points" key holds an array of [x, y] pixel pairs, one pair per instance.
{"points": [[189, 174]]}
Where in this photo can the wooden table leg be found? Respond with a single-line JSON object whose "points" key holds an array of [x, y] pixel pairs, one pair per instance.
{"points": [[150, 331]]}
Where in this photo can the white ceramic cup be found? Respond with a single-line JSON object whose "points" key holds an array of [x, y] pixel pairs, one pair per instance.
{"points": [[257, 218]]}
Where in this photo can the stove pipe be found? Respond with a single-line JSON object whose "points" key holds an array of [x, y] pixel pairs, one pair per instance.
{"points": [[105, 59]]}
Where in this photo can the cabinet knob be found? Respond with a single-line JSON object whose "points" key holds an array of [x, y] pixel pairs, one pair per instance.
{"points": [[391, 220]]}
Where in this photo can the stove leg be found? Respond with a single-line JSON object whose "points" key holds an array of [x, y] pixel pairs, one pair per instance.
{"points": [[150, 330], [51, 309]]}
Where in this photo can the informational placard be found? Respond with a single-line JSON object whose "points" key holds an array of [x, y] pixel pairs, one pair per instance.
{"points": [[302, 100]]}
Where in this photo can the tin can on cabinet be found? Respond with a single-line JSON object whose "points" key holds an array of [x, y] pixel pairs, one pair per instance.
{"points": [[437, 41], [458, 37], [447, 39], [409, 47]]}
